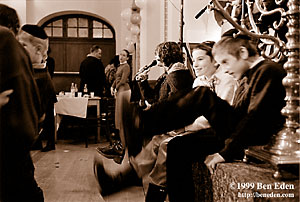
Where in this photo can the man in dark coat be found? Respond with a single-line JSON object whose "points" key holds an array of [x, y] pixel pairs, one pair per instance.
{"points": [[92, 72], [35, 40], [19, 117]]}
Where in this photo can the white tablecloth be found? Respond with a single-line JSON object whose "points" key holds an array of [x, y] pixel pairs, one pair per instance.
{"points": [[72, 106]]}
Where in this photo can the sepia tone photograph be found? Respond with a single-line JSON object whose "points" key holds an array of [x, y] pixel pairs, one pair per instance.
{"points": [[149, 100]]}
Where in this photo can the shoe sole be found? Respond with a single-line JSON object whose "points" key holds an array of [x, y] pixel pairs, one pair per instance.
{"points": [[112, 156], [118, 159]]}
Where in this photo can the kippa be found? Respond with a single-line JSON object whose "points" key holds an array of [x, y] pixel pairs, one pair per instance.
{"points": [[234, 33], [35, 31]]}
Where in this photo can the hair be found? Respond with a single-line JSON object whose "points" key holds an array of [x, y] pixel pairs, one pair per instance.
{"points": [[126, 52], [9, 18], [129, 62], [115, 61], [156, 51], [206, 46], [94, 48], [170, 53], [232, 45]]}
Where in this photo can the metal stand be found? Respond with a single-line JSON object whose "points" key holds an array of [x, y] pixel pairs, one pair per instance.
{"points": [[283, 150], [281, 163]]}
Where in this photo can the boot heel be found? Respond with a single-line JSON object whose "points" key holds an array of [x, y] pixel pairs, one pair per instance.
{"points": [[156, 193]]}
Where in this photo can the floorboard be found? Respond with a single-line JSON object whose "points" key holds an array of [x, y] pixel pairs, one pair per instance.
{"points": [[66, 175]]}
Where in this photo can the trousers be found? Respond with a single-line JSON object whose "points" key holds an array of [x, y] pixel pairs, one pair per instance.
{"points": [[150, 163], [182, 152]]}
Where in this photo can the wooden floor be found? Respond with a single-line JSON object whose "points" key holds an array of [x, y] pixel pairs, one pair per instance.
{"points": [[66, 175]]}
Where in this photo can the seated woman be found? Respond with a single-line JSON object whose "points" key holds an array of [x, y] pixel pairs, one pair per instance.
{"points": [[151, 160]]}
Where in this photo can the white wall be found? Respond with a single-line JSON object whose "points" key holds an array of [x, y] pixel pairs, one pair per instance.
{"points": [[32, 11], [195, 30], [203, 28], [152, 24]]}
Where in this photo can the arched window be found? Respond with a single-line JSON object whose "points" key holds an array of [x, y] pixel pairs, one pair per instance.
{"points": [[78, 26], [72, 35]]}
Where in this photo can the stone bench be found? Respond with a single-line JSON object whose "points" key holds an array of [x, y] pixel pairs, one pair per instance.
{"points": [[240, 181]]}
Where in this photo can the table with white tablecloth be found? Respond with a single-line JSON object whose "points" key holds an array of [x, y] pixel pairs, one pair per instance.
{"points": [[74, 106]]}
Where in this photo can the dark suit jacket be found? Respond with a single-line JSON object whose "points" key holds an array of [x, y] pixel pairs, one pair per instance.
{"points": [[92, 73], [257, 108], [167, 85]]}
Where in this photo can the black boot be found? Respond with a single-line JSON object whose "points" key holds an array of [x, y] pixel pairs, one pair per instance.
{"points": [[48, 147], [110, 183], [114, 151], [156, 193], [37, 145]]}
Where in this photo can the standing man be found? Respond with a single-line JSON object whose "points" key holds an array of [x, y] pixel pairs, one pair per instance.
{"points": [[35, 41], [92, 72], [19, 117]]}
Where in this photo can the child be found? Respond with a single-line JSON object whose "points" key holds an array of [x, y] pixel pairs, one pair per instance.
{"points": [[254, 117]]}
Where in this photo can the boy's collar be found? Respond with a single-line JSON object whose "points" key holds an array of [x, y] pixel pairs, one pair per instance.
{"points": [[39, 66], [258, 60], [91, 55]]}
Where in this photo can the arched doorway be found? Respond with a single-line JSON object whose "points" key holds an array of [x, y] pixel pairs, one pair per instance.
{"points": [[71, 34]]}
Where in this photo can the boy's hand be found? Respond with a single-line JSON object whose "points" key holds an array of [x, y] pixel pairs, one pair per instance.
{"points": [[212, 160], [4, 97]]}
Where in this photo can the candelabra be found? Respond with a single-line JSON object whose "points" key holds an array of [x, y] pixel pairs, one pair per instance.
{"points": [[279, 41]]}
